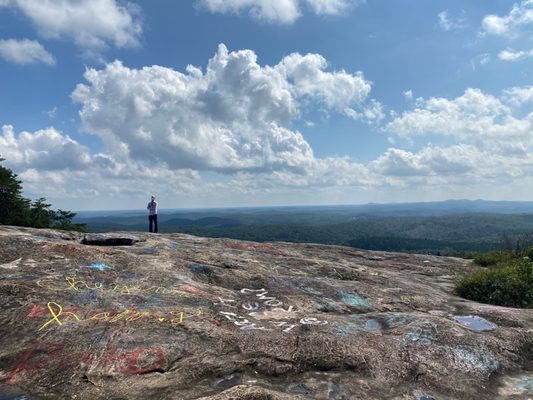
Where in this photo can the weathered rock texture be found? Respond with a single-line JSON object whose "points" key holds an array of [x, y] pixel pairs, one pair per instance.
{"points": [[181, 317]]}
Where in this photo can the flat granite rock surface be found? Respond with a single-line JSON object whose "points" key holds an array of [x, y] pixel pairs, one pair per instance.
{"points": [[147, 316]]}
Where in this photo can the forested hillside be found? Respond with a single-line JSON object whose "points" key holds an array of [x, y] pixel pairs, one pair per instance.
{"points": [[428, 228]]}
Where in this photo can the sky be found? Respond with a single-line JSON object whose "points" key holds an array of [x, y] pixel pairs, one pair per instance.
{"points": [[231, 103]]}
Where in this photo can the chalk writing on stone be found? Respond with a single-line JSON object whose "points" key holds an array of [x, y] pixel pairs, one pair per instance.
{"points": [[44, 357], [76, 285], [99, 266], [312, 321], [59, 316]]}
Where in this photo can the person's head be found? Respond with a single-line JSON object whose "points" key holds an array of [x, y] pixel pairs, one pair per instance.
{"points": [[153, 197]]}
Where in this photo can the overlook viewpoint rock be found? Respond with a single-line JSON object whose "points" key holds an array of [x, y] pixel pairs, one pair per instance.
{"points": [[147, 316]]}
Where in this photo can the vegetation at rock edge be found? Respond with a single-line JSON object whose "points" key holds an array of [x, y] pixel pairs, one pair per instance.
{"points": [[503, 278], [20, 211]]}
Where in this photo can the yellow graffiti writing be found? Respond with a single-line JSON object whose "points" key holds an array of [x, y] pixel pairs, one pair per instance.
{"points": [[78, 284], [59, 315], [56, 314]]}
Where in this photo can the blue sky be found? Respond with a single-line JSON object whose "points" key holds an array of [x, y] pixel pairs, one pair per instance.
{"points": [[209, 103]]}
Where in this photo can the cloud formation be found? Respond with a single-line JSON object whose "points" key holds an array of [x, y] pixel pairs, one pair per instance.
{"points": [[53, 165], [278, 11], [92, 25], [25, 51], [448, 23], [229, 128], [233, 117], [520, 15], [474, 116], [519, 95], [46, 149], [339, 91], [492, 146], [495, 139], [332, 7], [511, 55]]}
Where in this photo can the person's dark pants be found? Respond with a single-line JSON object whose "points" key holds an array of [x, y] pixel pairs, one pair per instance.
{"points": [[153, 223]]}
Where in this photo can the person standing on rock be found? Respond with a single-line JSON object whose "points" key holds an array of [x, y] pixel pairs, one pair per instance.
{"points": [[152, 215]]}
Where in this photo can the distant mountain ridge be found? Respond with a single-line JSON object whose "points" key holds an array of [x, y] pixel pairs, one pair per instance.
{"points": [[445, 227], [445, 206]]}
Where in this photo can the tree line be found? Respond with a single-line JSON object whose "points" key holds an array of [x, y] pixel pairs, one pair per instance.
{"points": [[20, 211]]}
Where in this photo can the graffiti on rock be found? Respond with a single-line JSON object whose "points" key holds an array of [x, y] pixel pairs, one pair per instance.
{"points": [[42, 357], [99, 266], [58, 316], [272, 308], [76, 285]]}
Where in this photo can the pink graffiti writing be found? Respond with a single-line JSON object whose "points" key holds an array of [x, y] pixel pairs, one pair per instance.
{"points": [[41, 357]]}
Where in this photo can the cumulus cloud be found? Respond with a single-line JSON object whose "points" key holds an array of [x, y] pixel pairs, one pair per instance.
{"points": [[510, 55], [340, 90], [431, 160], [90, 24], [520, 15], [495, 140], [25, 51], [475, 117], [281, 11], [332, 7], [235, 116], [45, 149], [519, 95], [278, 11], [53, 165]]}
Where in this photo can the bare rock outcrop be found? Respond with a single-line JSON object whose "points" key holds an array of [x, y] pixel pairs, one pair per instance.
{"points": [[145, 316]]}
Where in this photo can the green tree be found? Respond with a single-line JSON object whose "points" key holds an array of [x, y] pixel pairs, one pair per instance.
{"points": [[14, 209], [40, 214], [63, 220], [17, 210]]}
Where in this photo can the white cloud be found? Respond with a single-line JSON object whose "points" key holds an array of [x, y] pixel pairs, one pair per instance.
{"points": [[52, 113], [332, 7], [431, 160], [340, 90], [484, 59], [278, 11], [408, 95], [510, 55], [493, 143], [25, 51], [44, 149], [281, 11], [474, 116], [493, 147], [519, 95], [233, 117], [91, 24], [479, 60], [448, 23], [53, 165], [373, 113], [228, 129], [520, 15]]}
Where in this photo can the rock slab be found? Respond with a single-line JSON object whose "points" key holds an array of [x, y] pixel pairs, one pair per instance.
{"points": [[181, 317]]}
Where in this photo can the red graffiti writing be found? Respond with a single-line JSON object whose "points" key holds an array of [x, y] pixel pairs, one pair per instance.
{"points": [[42, 357]]}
